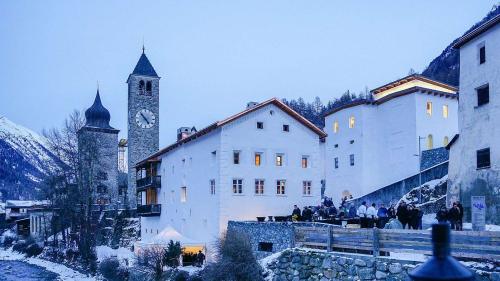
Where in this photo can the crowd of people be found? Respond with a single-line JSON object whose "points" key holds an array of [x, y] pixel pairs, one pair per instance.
{"points": [[409, 215]]}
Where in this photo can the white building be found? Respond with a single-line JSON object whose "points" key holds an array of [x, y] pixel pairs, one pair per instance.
{"points": [[374, 142], [475, 153], [257, 163]]}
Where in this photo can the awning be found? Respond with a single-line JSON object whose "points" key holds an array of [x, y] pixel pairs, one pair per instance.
{"points": [[163, 238]]}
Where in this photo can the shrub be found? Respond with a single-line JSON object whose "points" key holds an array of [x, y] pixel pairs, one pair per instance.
{"points": [[173, 253], [33, 250], [20, 246], [181, 276], [111, 269], [8, 240]]}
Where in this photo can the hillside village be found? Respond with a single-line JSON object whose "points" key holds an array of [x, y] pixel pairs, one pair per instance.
{"points": [[311, 191]]}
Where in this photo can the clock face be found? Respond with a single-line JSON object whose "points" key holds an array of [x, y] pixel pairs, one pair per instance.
{"points": [[145, 118]]}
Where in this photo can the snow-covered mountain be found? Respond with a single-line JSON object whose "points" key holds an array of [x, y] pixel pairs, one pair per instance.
{"points": [[24, 160]]}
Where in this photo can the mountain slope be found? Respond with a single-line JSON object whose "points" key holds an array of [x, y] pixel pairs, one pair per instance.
{"points": [[24, 160]]}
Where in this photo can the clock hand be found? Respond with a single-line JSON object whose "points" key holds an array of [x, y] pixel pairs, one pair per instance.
{"points": [[147, 121]]}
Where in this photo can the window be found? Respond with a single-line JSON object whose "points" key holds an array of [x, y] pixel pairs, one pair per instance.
{"points": [[286, 128], [280, 187], [336, 127], [306, 187], [336, 145], [351, 159], [236, 157], [259, 186], [279, 159], [212, 187], [446, 141], [351, 122], [445, 111], [482, 54], [305, 161], [483, 158], [351, 141], [149, 88], [336, 160], [237, 186], [183, 194], [430, 143], [141, 87], [260, 125], [483, 95], [429, 108], [265, 246], [257, 159]]}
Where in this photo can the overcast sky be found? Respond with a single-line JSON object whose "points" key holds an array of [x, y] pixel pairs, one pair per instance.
{"points": [[213, 56]]}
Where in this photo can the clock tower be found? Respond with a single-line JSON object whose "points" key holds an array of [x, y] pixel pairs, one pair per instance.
{"points": [[143, 119]]}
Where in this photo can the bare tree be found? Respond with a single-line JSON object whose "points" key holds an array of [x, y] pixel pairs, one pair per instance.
{"points": [[153, 258]]}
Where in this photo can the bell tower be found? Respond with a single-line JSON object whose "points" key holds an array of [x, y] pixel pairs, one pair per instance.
{"points": [[143, 119]]}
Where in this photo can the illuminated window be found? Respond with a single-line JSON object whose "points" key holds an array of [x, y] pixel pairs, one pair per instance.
{"points": [[237, 186], [257, 159], [336, 127], [446, 141], [306, 187], [430, 142], [445, 111], [280, 187], [212, 187], [183, 194], [429, 108], [279, 159], [351, 122], [305, 161], [236, 157], [259, 186]]}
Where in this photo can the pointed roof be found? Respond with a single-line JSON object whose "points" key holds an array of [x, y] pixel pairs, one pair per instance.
{"points": [[144, 67], [97, 115]]}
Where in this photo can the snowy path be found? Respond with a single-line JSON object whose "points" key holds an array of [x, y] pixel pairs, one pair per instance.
{"points": [[65, 273]]}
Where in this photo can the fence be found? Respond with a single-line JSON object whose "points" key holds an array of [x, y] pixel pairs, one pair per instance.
{"points": [[464, 244]]}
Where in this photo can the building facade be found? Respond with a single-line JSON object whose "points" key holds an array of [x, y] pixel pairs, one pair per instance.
{"points": [[374, 142], [475, 152], [257, 163]]}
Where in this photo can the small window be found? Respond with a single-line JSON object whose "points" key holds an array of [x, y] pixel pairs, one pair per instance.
{"points": [[483, 158], [236, 157], [482, 54], [141, 87], [279, 159], [183, 194], [446, 141], [429, 108], [351, 159], [280, 187], [306, 187], [351, 122], [483, 95], [351, 141], [336, 145], [149, 88], [286, 128], [257, 159], [260, 125], [265, 247], [336, 160], [237, 186], [259, 186], [305, 161], [212, 187], [445, 111], [430, 142], [336, 127]]}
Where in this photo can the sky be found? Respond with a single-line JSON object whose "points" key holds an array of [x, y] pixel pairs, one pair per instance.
{"points": [[212, 56]]}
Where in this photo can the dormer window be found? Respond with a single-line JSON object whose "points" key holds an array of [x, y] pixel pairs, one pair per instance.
{"points": [[149, 88]]}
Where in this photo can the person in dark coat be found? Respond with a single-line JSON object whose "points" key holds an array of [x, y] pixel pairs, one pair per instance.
{"points": [[420, 215], [461, 221], [352, 211], [402, 214], [296, 212], [442, 215], [391, 212], [200, 259], [413, 217], [383, 216], [307, 214], [454, 216]]}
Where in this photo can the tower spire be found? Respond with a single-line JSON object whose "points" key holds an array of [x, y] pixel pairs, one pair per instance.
{"points": [[143, 49]]}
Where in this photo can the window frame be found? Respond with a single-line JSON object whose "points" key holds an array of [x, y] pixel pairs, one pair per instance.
{"points": [[335, 126], [281, 187], [236, 157], [485, 96], [336, 162], [280, 162], [306, 188], [304, 163], [286, 128], [482, 54], [352, 122], [485, 163], [259, 186], [260, 125], [257, 159], [183, 194], [237, 186], [351, 159], [428, 108], [446, 111], [212, 186]]}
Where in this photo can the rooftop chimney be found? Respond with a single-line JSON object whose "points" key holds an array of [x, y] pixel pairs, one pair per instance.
{"points": [[251, 104], [184, 132]]}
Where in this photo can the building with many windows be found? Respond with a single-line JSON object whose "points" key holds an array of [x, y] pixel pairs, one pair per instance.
{"points": [[374, 142], [257, 163], [475, 152]]}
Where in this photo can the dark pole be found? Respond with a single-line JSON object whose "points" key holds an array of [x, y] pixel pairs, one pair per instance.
{"points": [[441, 266]]}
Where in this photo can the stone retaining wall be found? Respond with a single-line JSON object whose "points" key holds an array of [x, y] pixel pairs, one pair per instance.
{"points": [[298, 265]]}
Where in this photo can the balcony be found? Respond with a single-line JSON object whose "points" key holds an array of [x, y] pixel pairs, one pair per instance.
{"points": [[148, 182], [150, 210]]}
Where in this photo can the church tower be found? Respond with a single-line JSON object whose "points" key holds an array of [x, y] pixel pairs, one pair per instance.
{"points": [[143, 119]]}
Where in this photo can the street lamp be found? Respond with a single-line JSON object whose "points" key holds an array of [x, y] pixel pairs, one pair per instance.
{"points": [[419, 169], [441, 266]]}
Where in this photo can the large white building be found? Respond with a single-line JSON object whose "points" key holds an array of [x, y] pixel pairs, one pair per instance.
{"points": [[259, 162], [374, 142], [475, 153]]}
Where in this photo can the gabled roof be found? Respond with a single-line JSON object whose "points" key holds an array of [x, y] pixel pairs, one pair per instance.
{"points": [[410, 78], [235, 117], [144, 67], [477, 31]]}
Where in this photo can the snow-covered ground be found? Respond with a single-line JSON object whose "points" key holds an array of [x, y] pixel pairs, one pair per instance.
{"points": [[124, 255], [65, 273]]}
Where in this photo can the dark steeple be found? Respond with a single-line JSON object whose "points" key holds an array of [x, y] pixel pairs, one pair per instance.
{"points": [[144, 67], [97, 115]]}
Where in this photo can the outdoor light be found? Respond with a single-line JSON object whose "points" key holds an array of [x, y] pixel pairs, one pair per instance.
{"points": [[441, 266]]}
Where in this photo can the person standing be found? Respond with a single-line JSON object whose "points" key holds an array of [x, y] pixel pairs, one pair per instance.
{"points": [[454, 216], [371, 214], [461, 220], [383, 216], [362, 215], [296, 213], [352, 211], [200, 259], [442, 215], [402, 214]]}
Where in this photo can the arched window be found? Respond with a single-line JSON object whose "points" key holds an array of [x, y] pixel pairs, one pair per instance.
{"points": [[141, 87], [149, 87], [430, 143], [335, 126], [446, 141]]}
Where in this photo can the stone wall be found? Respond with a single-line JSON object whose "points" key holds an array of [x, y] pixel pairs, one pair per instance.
{"points": [[432, 157], [297, 265]]}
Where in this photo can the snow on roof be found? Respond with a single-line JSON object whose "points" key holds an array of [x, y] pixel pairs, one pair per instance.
{"points": [[25, 203], [167, 234]]}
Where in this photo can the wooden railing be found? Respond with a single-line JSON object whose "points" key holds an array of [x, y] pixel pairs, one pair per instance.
{"points": [[464, 244]]}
